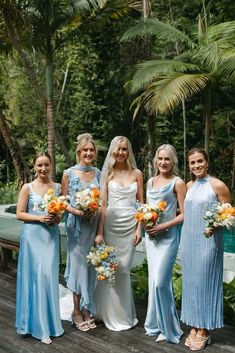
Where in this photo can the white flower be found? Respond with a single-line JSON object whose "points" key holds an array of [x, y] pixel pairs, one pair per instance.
{"points": [[148, 215], [208, 214]]}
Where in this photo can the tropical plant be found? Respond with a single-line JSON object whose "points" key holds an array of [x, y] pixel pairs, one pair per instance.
{"points": [[205, 59], [42, 26]]}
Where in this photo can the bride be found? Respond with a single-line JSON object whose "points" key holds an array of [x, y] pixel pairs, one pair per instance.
{"points": [[122, 185]]}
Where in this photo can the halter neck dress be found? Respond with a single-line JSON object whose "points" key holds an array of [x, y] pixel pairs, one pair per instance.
{"points": [[202, 261]]}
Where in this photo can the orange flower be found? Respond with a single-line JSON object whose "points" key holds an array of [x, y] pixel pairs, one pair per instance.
{"points": [[154, 217], [93, 205], [162, 205], [101, 277], [230, 211], [95, 193], [139, 216]]}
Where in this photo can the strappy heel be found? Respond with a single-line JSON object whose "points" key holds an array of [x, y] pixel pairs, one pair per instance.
{"points": [[204, 342], [82, 325], [189, 339]]}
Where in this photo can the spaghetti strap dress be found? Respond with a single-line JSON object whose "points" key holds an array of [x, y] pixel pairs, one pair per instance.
{"points": [[37, 293], [202, 261], [162, 316], [79, 275], [115, 305]]}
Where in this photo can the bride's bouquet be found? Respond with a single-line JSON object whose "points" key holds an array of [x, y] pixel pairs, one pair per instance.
{"points": [[105, 259], [150, 215], [221, 214], [87, 200], [53, 204]]}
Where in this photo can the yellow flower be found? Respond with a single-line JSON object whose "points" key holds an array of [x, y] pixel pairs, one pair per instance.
{"points": [[50, 191]]}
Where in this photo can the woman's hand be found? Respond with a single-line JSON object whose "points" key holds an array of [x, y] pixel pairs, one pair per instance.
{"points": [[79, 213], [57, 219], [157, 229], [47, 219], [137, 238], [99, 239]]}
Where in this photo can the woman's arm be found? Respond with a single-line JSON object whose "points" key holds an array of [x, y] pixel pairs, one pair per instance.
{"points": [[100, 230], [21, 213], [137, 237], [180, 191], [140, 188], [221, 190]]}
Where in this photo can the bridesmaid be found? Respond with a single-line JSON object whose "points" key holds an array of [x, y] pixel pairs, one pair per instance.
{"points": [[37, 294], [79, 275], [162, 318], [202, 258], [122, 185]]}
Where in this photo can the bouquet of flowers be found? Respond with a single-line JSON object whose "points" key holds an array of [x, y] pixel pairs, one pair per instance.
{"points": [[53, 204], [150, 215], [105, 259], [87, 201], [221, 214]]}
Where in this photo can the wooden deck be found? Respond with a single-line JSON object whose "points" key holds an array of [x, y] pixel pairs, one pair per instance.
{"points": [[100, 340]]}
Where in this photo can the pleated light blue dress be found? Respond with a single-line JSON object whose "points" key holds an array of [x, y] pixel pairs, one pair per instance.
{"points": [[37, 293], [202, 261], [162, 316], [79, 275]]}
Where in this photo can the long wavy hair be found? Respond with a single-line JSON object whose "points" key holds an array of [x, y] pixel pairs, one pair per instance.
{"points": [[82, 140], [172, 155]]}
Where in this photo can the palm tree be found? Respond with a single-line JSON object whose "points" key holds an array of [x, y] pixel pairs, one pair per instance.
{"points": [[21, 168], [43, 26], [206, 60]]}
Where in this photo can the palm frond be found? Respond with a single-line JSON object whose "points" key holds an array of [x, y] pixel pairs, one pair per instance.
{"points": [[224, 30], [146, 72], [166, 93], [227, 68], [110, 10], [159, 29], [212, 54]]}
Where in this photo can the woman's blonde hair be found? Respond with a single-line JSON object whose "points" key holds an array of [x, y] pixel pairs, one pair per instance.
{"points": [[172, 155], [113, 150], [82, 140]]}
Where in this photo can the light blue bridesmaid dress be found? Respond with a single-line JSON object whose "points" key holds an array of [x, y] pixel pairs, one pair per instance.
{"points": [[37, 294], [79, 275], [162, 316], [202, 261]]}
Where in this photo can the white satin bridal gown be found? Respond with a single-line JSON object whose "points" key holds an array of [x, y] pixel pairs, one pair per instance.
{"points": [[115, 305]]}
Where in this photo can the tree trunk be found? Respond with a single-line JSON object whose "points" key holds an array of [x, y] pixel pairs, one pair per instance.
{"points": [[22, 170], [150, 119], [34, 81], [206, 108], [233, 171], [50, 111], [185, 139]]}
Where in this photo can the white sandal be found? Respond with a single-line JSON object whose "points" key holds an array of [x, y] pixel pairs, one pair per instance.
{"points": [[46, 340]]}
